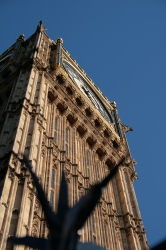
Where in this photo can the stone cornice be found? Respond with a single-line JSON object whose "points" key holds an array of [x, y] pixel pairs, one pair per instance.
{"points": [[67, 111], [67, 79]]}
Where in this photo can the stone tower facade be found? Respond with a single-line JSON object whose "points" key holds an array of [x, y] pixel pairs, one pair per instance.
{"points": [[52, 112]]}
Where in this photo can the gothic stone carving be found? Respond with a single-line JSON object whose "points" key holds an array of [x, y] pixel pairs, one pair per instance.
{"points": [[16, 211], [134, 176], [43, 151], [68, 172], [43, 141], [62, 106], [5, 204], [54, 163], [52, 94], [14, 161], [55, 152], [30, 196], [104, 212], [11, 174], [80, 185], [36, 208]]}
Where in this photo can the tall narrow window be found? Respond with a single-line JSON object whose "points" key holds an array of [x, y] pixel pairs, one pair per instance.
{"points": [[55, 129], [51, 198], [87, 159], [67, 142], [52, 178], [87, 162], [97, 171]]}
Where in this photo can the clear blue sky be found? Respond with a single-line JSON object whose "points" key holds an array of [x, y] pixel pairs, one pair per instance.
{"points": [[121, 45]]}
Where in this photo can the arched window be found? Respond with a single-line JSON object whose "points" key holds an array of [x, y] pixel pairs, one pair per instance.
{"points": [[55, 129]]}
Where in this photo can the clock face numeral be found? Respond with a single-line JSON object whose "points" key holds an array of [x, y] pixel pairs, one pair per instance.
{"points": [[87, 91]]}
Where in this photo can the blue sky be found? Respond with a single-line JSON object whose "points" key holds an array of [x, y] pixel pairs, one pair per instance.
{"points": [[121, 45]]}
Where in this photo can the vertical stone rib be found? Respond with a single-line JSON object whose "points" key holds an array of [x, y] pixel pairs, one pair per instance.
{"points": [[34, 84], [75, 151], [40, 90], [4, 199], [37, 43], [8, 211], [31, 214], [112, 242], [57, 186], [134, 200], [101, 241], [32, 144], [8, 229], [22, 208], [46, 98], [128, 193], [123, 195], [24, 135], [38, 166], [62, 133]]}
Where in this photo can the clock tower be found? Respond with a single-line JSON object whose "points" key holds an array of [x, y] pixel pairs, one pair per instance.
{"points": [[52, 112]]}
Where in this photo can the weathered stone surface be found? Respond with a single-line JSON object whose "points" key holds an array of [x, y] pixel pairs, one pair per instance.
{"points": [[45, 116]]}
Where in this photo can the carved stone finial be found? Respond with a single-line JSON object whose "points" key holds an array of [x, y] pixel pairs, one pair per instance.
{"points": [[21, 38], [134, 162], [41, 26], [59, 41], [113, 104], [134, 176], [126, 128]]}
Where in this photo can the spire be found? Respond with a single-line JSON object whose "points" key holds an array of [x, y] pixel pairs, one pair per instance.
{"points": [[21, 38], [59, 41], [41, 27], [19, 41], [58, 55]]}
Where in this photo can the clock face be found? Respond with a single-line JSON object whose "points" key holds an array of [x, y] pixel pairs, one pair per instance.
{"points": [[87, 91]]}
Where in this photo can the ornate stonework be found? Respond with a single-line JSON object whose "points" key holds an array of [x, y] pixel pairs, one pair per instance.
{"points": [[60, 125]]}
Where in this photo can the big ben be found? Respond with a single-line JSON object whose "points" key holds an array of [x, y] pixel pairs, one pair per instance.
{"points": [[53, 113]]}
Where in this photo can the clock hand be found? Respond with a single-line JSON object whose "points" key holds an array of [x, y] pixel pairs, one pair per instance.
{"points": [[90, 97]]}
